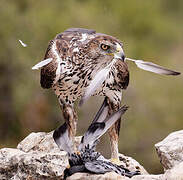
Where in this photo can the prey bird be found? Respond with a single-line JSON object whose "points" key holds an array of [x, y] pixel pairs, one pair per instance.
{"points": [[79, 63], [87, 159]]}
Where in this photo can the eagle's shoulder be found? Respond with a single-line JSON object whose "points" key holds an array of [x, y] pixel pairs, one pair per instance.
{"points": [[122, 74]]}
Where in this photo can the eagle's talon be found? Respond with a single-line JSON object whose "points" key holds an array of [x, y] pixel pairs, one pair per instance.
{"points": [[116, 161], [68, 166], [78, 152]]}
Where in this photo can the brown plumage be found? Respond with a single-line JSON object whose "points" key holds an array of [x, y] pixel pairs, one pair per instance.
{"points": [[78, 55]]}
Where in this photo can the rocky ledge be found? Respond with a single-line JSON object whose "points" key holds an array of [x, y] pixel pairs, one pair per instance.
{"points": [[38, 157]]}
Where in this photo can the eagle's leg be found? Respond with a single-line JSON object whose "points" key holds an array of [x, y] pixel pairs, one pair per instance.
{"points": [[71, 119], [114, 131]]}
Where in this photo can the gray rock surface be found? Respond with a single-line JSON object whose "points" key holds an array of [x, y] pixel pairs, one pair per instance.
{"points": [[38, 157], [41, 142], [17, 164], [176, 173], [148, 177], [113, 176], [170, 150], [131, 164], [106, 176]]}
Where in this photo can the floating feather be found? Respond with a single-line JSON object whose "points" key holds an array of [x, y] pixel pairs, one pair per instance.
{"points": [[23, 44], [149, 66], [42, 63]]}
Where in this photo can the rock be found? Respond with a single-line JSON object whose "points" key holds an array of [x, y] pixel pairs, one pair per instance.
{"points": [[32, 142], [113, 176], [106, 176], [38, 157], [170, 150], [148, 177], [41, 142], [176, 173], [9, 159], [17, 164], [131, 164]]}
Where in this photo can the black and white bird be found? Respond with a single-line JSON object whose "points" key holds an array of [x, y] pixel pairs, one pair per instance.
{"points": [[86, 159]]}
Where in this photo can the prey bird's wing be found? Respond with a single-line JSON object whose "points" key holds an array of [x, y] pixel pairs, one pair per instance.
{"points": [[62, 139], [97, 129], [101, 167], [42, 63], [102, 113], [149, 66], [97, 167]]}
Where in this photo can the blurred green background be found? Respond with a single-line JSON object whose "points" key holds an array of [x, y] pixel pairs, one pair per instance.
{"points": [[150, 30]]}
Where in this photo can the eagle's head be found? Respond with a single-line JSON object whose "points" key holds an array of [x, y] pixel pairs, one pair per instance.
{"points": [[104, 48]]}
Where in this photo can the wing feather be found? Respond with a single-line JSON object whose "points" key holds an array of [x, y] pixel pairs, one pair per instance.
{"points": [[62, 139], [102, 113], [97, 129]]}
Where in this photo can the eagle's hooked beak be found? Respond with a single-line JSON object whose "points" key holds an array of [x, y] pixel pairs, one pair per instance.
{"points": [[119, 54]]}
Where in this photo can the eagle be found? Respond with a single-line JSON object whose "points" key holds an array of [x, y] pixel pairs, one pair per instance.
{"points": [[79, 63]]}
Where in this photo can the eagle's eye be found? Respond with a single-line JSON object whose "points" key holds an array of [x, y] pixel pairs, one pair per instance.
{"points": [[104, 47]]}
